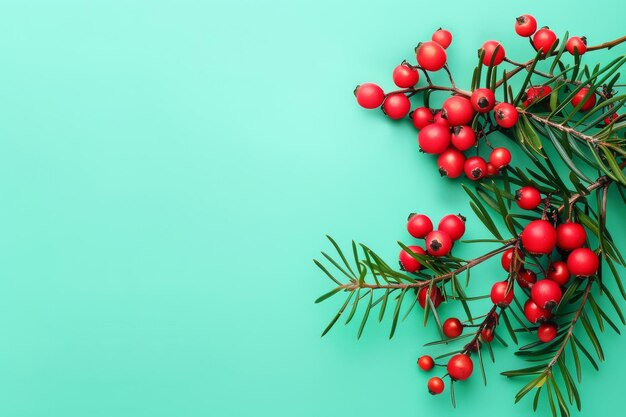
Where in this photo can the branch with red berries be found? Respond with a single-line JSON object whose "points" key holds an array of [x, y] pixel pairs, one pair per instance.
{"points": [[547, 221]]}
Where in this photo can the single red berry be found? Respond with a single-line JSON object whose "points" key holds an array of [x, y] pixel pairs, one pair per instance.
{"points": [[435, 296], [500, 157], [492, 319], [396, 106], [539, 237], [419, 225], [475, 168], [431, 56], [487, 335], [534, 313], [440, 120], [422, 117], [583, 262], [528, 197], [570, 236], [558, 272], [493, 50], [450, 163], [452, 328], [501, 294], [547, 332], [453, 225], [534, 94], [546, 293], [491, 170], [607, 121], [438, 243], [460, 367], [435, 385], [434, 138], [506, 115], [426, 363], [588, 104], [526, 278], [463, 137], [544, 40], [409, 263], [483, 100], [576, 44], [369, 95], [510, 257], [405, 75], [525, 25], [442, 37], [457, 110]]}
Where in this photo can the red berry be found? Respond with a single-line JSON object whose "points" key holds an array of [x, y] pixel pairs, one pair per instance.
{"points": [[558, 272], [534, 94], [588, 104], [369, 95], [501, 294], [450, 163], [546, 293], [500, 157], [431, 56], [576, 44], [490, 52], [525, 25], [583, 262], [505, 115], [528, 198], [457, 110], [453, 225], [570, 236], [460, 367], [438, 243], [544, 39], [442, 37], [440, 120], [405, 75], [426, 363], [434, 138], [508, 258], [483, 100], [452, 328], [547, 332], [435, 296], [422, 117], [396, 106], [463, 137], [487, 335], [435, 385], [534, 313], [419, 225], [475, 168], [607, 121], [539, 237], [409, 263], [491, 170], [526, 278]]}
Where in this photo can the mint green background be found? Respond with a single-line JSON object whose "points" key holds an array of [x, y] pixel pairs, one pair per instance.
{"points": [[169, 168]]}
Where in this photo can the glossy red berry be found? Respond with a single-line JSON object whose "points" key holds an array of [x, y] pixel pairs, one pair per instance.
{"points": [[442, 37], [501, 294], [534, 313], [419, 225], [539, 237], [457, 110], [405, 75], [450, 163], [441, 121], [431, 56], [491, 170], [453, 225], [483, 100], [534, 94], [369, 95], [528, 198], [544, 39], [438, 243], [525, 25], [435, 296], [435, 385], [434, 138], [506, 115], [487, 335], [452, 328], [396, 106], [463, 137], [460, 367], [588, 104], [409, 263], [576, 44], [583, 262], [558, 272], [426, 363], [607, 120], [422, 117], [526, 278], [546, 293], [475, 168], [500, 157], [570, 236], [547, 332], [493, 50], [510, 257]]}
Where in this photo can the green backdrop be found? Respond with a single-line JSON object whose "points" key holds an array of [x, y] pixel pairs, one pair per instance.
{"points": [[169, 168]]}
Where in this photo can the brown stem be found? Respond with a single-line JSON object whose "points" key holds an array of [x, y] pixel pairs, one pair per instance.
{"points": [[607, 45]]}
